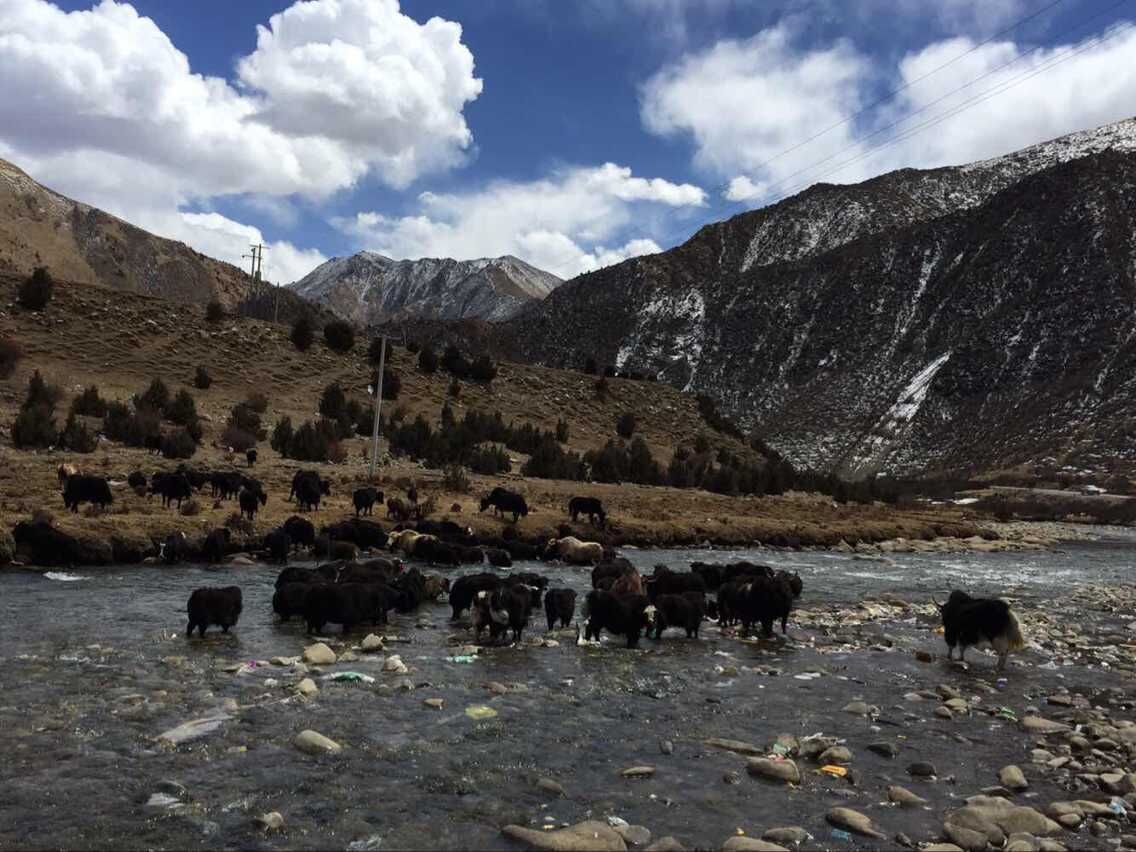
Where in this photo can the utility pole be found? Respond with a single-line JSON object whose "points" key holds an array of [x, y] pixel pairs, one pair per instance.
{"points": [[378, 406]]}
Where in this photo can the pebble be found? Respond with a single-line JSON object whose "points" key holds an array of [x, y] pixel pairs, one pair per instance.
{"points": [[548, 785], [638, 772], [903, 796], [1040, 725], [284, 661], [732, 777], [738, 843], [858, 708], [371, 643], [271, 821], [312, 742], [590, 836], [777, 770], [394, 664], [634, 835], [790, 836], [1012, 778], [666, 844], [884, 749], [853, 821], [666, 747], [496, 688], [436, 703], [319, 654], [944, 712], [921, 769], [307, 687], [836, 754]]}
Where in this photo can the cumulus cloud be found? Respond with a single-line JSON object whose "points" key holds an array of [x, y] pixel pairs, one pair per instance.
{"points": [[1021, 96], [335, 90], [565, 223], [225, 239]]}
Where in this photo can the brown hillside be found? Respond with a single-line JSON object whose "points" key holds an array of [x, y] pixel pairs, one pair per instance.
{"points": [[119, 341]]}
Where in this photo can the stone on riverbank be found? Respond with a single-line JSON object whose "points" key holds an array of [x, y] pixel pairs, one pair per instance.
{"points": [[589, 836], [1043, 726], [904, 797], [738, 843], [775, 770], [853, 821], [1012, 778], [736, 746], [319, 654], [312, 742]]}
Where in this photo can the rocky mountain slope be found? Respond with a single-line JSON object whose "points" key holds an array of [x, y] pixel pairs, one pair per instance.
{"points": [[39, 227], [957, 318], [369, 288]]}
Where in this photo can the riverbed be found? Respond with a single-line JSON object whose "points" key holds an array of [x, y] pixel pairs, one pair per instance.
{"points": [[96, 666]]}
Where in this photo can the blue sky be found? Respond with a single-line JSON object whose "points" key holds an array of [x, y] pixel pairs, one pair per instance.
{"points": [[573, 134]]}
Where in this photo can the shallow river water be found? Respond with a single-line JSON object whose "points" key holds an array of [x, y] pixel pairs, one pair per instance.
{"points": [[95, 666]]}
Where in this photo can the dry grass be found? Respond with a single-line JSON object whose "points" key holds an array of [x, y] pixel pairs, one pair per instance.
{"points": [[119, 341]]}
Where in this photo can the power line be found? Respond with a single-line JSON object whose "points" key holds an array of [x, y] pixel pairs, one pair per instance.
{"points": [[939, 119], [910, 83]]}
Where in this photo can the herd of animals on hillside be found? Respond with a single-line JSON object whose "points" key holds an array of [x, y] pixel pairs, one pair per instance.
{"points": [[350, 592]]}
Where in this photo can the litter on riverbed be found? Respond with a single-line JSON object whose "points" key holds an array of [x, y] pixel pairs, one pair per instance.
{"points": [[1006, 713], [461, 658], [480, 711], [350, 677], [840, 834], [834, 771], [807, 676]]}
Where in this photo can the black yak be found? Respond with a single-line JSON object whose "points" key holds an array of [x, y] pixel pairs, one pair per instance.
{"points": [[210, 605], [980, 622]]}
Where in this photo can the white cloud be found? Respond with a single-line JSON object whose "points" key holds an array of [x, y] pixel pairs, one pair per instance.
{"points": [[766, 151], [102, 105], [561, 223], [224, 239]]}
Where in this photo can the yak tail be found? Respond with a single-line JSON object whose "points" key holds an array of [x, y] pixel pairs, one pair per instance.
{"points": [[1016, 641]]}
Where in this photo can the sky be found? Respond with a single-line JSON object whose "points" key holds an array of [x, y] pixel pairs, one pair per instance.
{"points": [[571, 133]]}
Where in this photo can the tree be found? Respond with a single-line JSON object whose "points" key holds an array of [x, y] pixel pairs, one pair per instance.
{"points": [[309, 444], [339, 336], [333, 401], [626, 424], [35, 424], [179, 445], [447, 417], [483, 369], [89, 403], [36, 290], [182, 410], [10, 354], [77, 437], [562, 431], [454, 362], [214, 311], [282, 436], [156, 396], [428, 360], [246, 419], [201, 379], [303, 333]]}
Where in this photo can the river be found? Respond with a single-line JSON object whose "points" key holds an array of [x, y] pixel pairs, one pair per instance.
{"points": [[96, 666]]}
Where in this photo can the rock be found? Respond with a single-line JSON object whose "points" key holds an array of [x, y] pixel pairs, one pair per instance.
{"points": [[858, 708], [903, 796], [997, 817], [944, 712], [587, 836], [1040, 756], [736, 746], [307, 687], [319, 654], [969, 839], [791, 836], [1070, 821], [271, 821], [371, 643], [1012, 778], [547, 785], [284, 661], [312, 742], [925, 656], [737, 843], [836, 754], [776, 770], [921, 769], [1118, 783], [435, 703], [731, 777], [941, 847], [666, 844], [884, 749], [192, 730], [638, 772], [394, 664], [1045, 727], [853, 821], [957, 705], [666, 747], [496, 688], [1021, 842], [173, 788], [634, 835], [1060, 700]]}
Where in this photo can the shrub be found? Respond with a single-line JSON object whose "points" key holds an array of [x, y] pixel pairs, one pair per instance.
{"points": [[10, 354], [156, 396], [454, 363], [257, 401], [303, 333], [483, 369], [178, 445], [562, 431], [550, 461], [339, 336], [239, 439], [36, 290], [490, 461], [77, 437], [375, 351], [247, 420], [428, 360], [456, 479], [447, 417], [282, 436], [182, 410], [392, 384], [201, 379], [194, 429], [89, 403], [190, 508], [333, 401], [214, 312], [309, 444], [41, 393], [625, 425], [34, 427], [455, 389], [130, 428]]}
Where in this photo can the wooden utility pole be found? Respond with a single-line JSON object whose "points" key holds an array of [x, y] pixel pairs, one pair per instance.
{"points": [[378, 406]]}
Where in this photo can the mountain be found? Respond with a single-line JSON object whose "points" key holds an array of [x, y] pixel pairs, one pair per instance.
{"points": [[369, 288], [76, 242], [951, 319]]}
